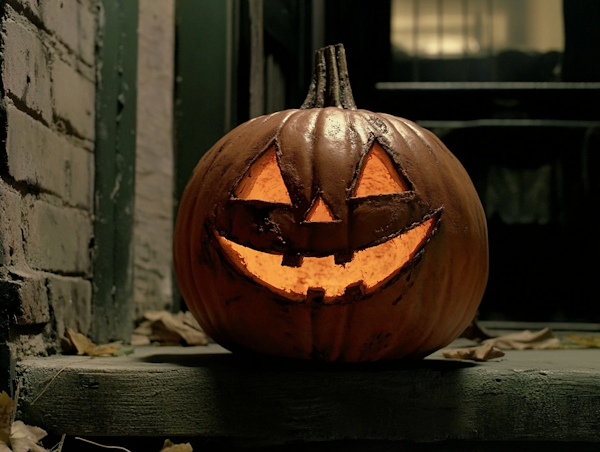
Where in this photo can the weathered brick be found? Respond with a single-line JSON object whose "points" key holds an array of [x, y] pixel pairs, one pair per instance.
{"points": [[43, 158], [58, 239], [28, 344], [71, 302], [61, 18], [73, 23], [25, 68], [36, 154], [88, 13], [26, 296], [30, 6], [10, 225], [74, 98], [81, 178]]}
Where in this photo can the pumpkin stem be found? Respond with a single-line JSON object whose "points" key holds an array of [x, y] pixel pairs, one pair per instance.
{"points": [[330, 86]]}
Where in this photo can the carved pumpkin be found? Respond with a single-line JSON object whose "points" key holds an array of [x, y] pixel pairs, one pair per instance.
{"points": [[331, 233]]}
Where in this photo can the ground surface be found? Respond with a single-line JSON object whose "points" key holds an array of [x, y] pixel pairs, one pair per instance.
{"points": [[207, 392]]}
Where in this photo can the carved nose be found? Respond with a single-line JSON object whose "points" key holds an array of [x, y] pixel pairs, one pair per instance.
{"points": [[319, 212]]}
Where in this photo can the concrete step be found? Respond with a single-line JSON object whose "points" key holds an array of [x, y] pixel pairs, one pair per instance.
{"points": [[206, 392]]}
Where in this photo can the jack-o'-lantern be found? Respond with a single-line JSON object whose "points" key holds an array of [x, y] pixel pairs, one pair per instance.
{"points": [[331, 233]]}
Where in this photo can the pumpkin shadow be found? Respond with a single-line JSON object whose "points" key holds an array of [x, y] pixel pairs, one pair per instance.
{"points": [[255, 362], [278, 400]]}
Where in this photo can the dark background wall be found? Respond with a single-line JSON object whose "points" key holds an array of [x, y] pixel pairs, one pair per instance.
{"points": [[531, 148]]}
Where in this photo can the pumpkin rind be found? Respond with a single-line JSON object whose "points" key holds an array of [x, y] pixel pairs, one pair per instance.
{"points": [[320, 151]]}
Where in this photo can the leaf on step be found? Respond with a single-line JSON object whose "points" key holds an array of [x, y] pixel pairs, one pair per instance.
{"points": [[17, 437], [167, 328], [24, 438], [482, 352], [6, 407], [168, 446], [526, 340], [585, 341], [86, 347]]}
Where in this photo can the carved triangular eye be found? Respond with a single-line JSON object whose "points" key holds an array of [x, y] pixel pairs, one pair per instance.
{"points": [[378, 175], [263, 181], [319, 212]]}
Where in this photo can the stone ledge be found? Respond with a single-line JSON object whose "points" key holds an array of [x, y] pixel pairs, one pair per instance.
{"points": [[206, 392]]}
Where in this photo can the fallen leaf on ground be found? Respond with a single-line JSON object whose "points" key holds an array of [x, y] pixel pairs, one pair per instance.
{"points": [[482, 352], [167, 328], [17, 437], [168, 446], [526, 340], [523, 340], [86, 347], [24, 438], [585, 341], [6, 407]]}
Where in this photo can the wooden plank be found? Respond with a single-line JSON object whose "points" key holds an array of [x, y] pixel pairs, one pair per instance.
{"points": [[206, 392], [115, 173]]}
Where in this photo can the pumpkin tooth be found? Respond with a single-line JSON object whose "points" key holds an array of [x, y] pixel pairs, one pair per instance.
{"points": [[315, 295], [292, 260], [355, 291], [344, 257]]}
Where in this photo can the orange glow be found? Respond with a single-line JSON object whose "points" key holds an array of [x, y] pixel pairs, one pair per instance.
{"points": [[371, 265], [264, 181], [320, 212], [378, 175]]}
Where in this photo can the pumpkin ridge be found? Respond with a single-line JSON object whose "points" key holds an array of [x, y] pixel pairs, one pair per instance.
{"points": [[406, 129], [418, 133], [270, 142], [364, 150], [288, 143], [330, 168]]}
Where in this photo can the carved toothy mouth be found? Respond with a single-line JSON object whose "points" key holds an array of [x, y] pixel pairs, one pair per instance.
{"points": [[321, 276]]}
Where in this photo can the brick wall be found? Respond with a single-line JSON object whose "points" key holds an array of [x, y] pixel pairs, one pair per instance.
{"points": [[47, 170]]}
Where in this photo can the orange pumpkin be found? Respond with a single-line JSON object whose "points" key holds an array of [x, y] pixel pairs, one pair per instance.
{"points": [[331, 233]]}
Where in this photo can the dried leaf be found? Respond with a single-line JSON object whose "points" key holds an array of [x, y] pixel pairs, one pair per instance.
{"points": [[144, 328], [164, 327], [139, 339], [526, 340], [6, 407], [17, 437], [80, 342], [86, 347], [188, 318], [168, 446], [482, 352], [24, 438], [585, 341], [100, 350]]}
